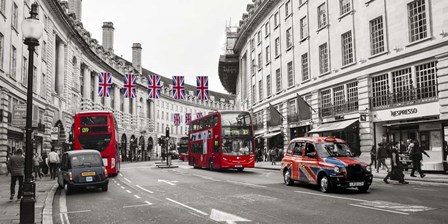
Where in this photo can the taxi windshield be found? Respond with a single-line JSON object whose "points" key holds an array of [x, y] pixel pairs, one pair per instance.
{"points": [[333, 149]]}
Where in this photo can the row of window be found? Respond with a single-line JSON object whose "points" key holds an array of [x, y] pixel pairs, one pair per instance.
{"points": [[175, 130]]}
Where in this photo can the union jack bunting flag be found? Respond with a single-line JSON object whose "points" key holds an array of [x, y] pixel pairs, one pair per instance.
{"points": [[178, 87], [154, 86], [202, 87], [187, 118], [176, 119], [129, 86], [198, 114], [104, 84]]}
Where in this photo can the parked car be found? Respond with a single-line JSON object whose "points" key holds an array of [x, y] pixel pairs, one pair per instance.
{"points": [[82, 169], [326, 162]]}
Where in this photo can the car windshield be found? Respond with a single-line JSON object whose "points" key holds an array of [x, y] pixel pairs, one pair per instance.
{"points": [[333, 149], [237, 146], [86, 160]]}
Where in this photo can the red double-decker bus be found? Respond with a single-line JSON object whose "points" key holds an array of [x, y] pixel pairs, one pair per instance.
{"points": [[183, 148], [98, 130], [222, 140]]}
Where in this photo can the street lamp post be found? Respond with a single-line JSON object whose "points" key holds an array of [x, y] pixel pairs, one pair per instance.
{"points": [[32, 30]]}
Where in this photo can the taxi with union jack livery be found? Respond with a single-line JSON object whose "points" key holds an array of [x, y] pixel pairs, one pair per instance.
{"points": [[326, 162]]}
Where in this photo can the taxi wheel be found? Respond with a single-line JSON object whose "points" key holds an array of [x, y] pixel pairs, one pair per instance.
{"points": [[287, 177], [325, 185]]}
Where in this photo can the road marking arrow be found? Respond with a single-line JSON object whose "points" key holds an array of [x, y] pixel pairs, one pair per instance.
{"points": [[165, 181], [220, 216]]}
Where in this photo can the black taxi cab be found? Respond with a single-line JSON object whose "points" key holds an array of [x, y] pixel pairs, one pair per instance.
{"points": [[326, 162]]}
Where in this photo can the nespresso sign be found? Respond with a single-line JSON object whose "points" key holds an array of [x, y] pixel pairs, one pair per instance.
{"points": [[409, 112], [396, 113]]}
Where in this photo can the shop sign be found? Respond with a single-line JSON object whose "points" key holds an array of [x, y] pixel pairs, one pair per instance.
{"points": [[54, 133], [429, 109]]}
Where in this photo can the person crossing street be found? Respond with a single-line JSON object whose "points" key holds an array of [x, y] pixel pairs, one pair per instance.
{"points": [[416, 156]]}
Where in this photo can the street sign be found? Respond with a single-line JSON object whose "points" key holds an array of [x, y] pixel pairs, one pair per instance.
{"points": [[19, 116], [54, 133]]}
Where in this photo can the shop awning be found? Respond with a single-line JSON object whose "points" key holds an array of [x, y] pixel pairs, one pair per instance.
{"points": [[335, 126], [272, 134], [410, 123]]}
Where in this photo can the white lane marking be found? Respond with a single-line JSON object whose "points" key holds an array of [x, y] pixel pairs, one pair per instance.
{"points": [[248, 184], [78, 211], [118, 184], [127, 179], [147, 202], [220, 216], [379, 209], [396, 206], [145, 189], [63, 208], [186, 206], [138, 197], [122, 187], [424, 189], [128, 191], [331, 196], [132, 206], [205, 177], [165, 181], [120, 175]]}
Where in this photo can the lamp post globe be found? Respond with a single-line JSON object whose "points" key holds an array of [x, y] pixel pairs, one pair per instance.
{"points": [[32, 30]]}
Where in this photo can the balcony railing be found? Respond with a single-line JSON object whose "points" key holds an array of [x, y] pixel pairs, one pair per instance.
{"points": [[404, 97], [334, 110]]}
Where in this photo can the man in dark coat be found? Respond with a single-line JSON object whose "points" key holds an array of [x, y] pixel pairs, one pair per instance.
{"points": [[382, 155], [16, 165], [416, 156]]}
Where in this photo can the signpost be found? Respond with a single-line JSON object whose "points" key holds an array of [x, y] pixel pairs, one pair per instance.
{"points": [[19, 116]]}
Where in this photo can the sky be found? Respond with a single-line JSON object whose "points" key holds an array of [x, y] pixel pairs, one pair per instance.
{"points": [[178, 37]]}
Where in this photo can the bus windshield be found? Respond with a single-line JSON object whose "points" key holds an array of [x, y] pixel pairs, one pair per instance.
{"points": [[241, 119], [97, 142], [93, 120], [333, 149], [237, 146]]}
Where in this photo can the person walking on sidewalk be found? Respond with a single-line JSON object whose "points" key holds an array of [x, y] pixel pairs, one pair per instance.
{"points": [[37, 160], [273, 156], [53, 160], [373, 157], [396, 172], [416, 156], [16, 165], [382, 155]]}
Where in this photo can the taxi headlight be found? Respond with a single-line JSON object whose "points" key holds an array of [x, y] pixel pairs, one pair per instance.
{"points": [[338, 169]]}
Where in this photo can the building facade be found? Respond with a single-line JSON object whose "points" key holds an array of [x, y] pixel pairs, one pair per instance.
{"points": [[66, 67], [369, 70]]}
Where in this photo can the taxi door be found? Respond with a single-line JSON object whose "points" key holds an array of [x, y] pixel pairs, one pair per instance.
{"points": [[296, 160], [309, 166]]}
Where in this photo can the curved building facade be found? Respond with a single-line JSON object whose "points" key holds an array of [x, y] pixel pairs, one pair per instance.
{"points": [[365, 71], [66, 67]]}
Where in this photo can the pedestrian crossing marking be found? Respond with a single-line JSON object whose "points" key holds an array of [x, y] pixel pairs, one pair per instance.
{"points": [[395, 206]]}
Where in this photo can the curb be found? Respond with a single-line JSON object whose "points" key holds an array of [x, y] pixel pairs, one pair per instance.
{"points": [[47, 214], [374, 176]]}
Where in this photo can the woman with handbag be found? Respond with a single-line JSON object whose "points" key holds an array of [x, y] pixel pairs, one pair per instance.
{"points": [[396, 173]]}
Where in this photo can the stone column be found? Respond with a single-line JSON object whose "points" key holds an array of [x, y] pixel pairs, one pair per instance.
{"points": [[442, 80], [96, 99], [366, 135], [60, 68], [3, 129], [86, 80], [117, 98], [107, 104]]}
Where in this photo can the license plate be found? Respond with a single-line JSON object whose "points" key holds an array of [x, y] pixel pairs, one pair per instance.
{"points": [[356, 184], [89, 179], [86, 174], [238, 165]]}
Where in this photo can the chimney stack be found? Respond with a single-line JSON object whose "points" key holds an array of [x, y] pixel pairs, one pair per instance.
{"points": [[75, 6], [108, 36], [137, 56]]}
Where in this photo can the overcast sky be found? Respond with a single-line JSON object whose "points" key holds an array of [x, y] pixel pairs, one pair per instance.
{"points": [[178, 37]]}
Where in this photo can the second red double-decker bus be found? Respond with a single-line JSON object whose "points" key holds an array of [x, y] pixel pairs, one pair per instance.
{"points": [[98, 130], [222, 140], [183, 148]]}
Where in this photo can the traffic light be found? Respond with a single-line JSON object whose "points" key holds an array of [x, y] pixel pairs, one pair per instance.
{"points": [[167, 132]]}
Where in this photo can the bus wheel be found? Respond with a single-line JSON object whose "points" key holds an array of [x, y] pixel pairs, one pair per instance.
{"points": [[193, 163], [240, 169], [210, 165]]}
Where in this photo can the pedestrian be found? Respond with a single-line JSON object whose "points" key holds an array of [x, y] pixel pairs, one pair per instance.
{"points": [[273, 156], [396, 172], [36, 165], [382, 155], [372, 157], [53, 160], [265, 153], [416, 157], [16, 166]]}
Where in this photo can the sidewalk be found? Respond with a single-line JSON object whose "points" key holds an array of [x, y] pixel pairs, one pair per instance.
{"points": [[430, 176], [10, 210]]}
